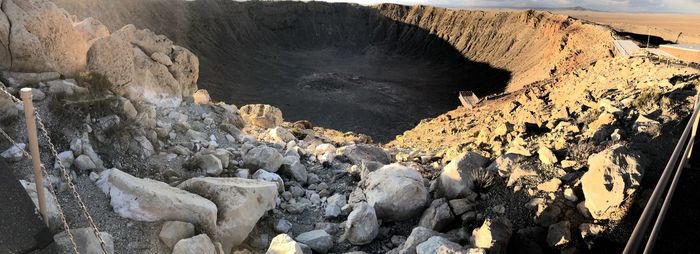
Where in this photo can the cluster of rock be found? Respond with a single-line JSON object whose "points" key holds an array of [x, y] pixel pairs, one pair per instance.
{"points": [[42, 42], [577, 148]]}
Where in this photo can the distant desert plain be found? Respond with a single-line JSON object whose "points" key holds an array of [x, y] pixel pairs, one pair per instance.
{"points": [[665, 25]]}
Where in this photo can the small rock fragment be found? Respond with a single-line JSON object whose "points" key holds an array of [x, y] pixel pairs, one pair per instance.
{"points": [[318, 240], [174, 231]]}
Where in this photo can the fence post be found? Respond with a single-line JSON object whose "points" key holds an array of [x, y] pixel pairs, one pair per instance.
{"points": [[26, 94]]}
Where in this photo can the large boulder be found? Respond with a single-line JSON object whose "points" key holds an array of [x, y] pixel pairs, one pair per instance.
{"points": [[150, 200], [613, 175], [280, 134], [41, 38], [261, 115], [5, 57], [456, 177], [396, 192], [293, 168], [357, 153], [263, 175], [113, 58], [241, 203], [210, 164], [144, 66], [505, 164], [84, 164], [263, 157], [14, 153], [153, 82], [185, 69]]}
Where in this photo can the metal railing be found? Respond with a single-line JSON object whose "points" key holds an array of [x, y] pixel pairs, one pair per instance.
{"points": [[684, 145], [33, 120]]}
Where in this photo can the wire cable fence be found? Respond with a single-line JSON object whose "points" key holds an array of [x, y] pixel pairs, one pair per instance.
{"points": [[64, 172]]}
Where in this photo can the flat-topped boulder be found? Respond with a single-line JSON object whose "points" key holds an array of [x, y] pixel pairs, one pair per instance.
{"points": [[149, 200], [261, 115], [360, 152], [241, 203]]}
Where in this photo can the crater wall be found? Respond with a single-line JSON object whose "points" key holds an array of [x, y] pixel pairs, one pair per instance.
{"points": [[376, 70]]}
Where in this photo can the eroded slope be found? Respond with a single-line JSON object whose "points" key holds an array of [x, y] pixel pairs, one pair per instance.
{"points": [[531, 44]]}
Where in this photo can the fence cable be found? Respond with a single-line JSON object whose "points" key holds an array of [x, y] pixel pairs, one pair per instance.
{"points": [[65, 174]]}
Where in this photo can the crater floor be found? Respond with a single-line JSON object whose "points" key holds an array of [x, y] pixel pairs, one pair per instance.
{"points": [[367, 92]]}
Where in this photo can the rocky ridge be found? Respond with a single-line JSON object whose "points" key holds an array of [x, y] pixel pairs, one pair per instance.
{"points": [[178, 173]]}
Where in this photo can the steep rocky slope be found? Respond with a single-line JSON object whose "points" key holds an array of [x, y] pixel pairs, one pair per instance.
{"points": [[551, 139], [384, 56], [532, 45]]}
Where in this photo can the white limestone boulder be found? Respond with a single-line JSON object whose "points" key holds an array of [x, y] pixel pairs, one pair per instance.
{"points": [[396, 192], [241, 203], [150, 200]]}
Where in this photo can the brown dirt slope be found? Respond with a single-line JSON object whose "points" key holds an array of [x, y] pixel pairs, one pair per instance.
{"points": [[530, 44], [530, 114]]}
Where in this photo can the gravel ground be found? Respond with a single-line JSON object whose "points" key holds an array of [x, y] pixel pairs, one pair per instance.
{"points": [[129, 236]]}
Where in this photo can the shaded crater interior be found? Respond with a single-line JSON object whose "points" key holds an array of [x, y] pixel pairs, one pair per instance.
{"points": [[376, 70], [340, 66]]}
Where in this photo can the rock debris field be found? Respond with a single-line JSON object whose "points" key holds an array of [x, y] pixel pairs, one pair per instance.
{"points": [[559, 158]]}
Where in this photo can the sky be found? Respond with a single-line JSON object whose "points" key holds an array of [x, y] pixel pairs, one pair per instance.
{"points": [[682, 6]]}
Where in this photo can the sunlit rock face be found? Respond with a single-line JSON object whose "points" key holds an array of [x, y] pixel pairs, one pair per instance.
{"points": [[38, 36]]}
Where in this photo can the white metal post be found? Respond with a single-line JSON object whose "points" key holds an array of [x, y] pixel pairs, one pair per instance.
{"points": [[26, 94]]}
